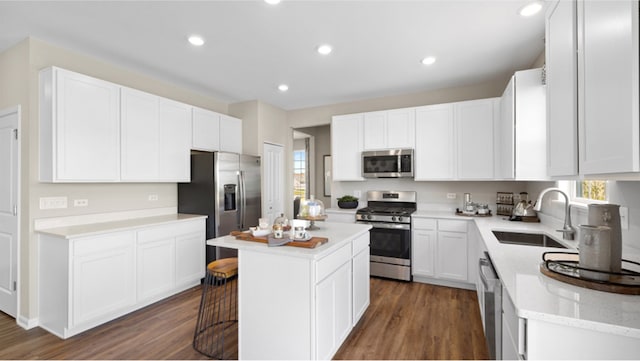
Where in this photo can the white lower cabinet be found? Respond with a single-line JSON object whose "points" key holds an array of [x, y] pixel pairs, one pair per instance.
{"points": [[313, 304], [333, 311], [340, 216], [440, 251], [89, 280], [156, 267], [101, 276], [360, 273], [511, 328]]}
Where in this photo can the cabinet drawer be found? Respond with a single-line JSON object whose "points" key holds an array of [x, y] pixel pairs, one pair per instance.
{"points": [[360, 243], [452, 226], [424, 223], [170, 230], [101, 243], [332, 262]]}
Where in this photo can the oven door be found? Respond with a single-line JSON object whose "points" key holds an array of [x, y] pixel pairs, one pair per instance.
{"points": [[390, 248]]}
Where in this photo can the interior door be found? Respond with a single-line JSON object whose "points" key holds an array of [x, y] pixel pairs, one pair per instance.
{"points": [[273, 181], [9, 210]]}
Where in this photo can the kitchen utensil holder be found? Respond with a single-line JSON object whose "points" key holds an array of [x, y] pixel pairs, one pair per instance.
{"points": [[218, 313]]}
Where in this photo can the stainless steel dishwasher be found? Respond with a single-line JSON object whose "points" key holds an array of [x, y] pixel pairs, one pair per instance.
{"points": [[490, 293]]}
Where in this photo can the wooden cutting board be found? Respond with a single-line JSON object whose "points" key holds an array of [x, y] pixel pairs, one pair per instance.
{"points": [[312, 243]]}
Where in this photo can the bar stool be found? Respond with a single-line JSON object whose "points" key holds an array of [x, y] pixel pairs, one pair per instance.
{"points": [[218, 314]]}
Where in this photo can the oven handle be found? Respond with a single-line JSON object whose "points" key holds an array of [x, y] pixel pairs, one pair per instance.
{"points": [[388, 225]]}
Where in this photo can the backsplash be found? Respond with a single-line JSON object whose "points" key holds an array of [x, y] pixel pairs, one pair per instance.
{"points": [[432, 196]]}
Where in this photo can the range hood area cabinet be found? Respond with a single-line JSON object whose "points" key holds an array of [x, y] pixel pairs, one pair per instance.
{"points": [[593, 71], [521, 132], [390, 129]]}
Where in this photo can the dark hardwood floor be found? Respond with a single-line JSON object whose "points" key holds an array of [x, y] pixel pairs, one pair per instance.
{"points": [[419, 322], [404, 321]]}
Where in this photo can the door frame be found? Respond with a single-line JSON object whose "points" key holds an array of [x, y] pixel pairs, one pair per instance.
{"points": [[17, 109]]}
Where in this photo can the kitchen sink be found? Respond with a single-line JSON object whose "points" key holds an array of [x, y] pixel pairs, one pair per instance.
{"points": [[527, 239]]}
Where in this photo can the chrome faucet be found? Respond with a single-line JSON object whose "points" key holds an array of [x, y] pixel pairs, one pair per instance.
{"points": [[568, 232]]}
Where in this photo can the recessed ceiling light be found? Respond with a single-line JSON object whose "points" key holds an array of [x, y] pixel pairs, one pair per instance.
{"points": [[283, 87], [429, 60], [324, 49], [531, 9], [272, 2], [196, 40]]}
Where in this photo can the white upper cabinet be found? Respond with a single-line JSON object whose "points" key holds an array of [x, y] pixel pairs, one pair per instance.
{"points": [[475, 139], [435, 151], [592, 88], [391, 129], [346, 147], [79, 128], [521, 143], [205, 130], [230, 134], [175, 141], [375, 130], [95, 131], [140, 135], [156, 138], [609, 130], [562, 89]]}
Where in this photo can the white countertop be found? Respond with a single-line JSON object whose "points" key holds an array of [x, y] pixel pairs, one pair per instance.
{"points": [[342, 210], [337, 233], [92, 229], [537, 296]]}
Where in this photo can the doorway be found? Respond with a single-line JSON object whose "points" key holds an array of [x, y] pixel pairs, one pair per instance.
{"points": [[9, 209], [318, 148]]}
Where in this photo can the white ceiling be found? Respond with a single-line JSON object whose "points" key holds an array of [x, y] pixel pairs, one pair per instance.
{"points": [[251, 47]]}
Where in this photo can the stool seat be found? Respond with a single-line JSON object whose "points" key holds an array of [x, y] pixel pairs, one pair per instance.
{"points": [[224, 268]]}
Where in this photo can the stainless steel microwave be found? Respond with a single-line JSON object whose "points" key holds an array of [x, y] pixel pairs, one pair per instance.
{"points": [[389, 163]]}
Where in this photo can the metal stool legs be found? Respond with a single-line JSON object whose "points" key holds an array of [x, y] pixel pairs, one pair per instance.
{"points": [[218, 315]]}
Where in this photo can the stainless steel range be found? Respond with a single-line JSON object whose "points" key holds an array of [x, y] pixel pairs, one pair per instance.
{"points": [[389, 213]]}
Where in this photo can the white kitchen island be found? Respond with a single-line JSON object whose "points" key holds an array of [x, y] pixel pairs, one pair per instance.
{"points": [[299, 303]]}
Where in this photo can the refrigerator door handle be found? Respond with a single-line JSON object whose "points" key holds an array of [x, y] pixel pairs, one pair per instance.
{"points": [[243, 201]]}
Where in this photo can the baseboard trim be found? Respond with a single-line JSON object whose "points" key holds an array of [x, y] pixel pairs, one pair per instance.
{"points": [[27, 323]]}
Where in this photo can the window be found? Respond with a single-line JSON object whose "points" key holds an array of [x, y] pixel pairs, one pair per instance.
{"points": [[300, 173], [592, 190]]}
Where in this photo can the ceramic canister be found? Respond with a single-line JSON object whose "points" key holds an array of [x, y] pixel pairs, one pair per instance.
{"points": [[594, 251], [609, 215]]}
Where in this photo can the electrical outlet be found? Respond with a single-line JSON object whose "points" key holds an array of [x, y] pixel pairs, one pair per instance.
{"points": [[624, 217], [357, 194], [451, 196], [80, 202], [53, 202], [153, 197]]}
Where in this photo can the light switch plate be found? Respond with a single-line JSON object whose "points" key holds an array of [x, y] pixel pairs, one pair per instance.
{"points": [[53, 202], [451, 196]]}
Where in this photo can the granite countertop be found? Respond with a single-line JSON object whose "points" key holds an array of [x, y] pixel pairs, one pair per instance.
{"points": [[91, 229], [337, 233]]}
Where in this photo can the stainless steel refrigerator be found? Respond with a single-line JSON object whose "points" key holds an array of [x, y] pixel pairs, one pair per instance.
{"points": [[226, 188]]}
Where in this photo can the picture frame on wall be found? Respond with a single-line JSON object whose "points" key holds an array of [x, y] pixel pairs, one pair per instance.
{"points": [[327, 175]]}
